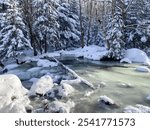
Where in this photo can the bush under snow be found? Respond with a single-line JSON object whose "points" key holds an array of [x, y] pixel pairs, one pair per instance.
{"points": [[13, 97]]}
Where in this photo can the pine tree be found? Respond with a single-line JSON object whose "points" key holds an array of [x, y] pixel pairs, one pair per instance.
{"points": [[13, 34], [69, 26], [115, 35], [46, 25]]}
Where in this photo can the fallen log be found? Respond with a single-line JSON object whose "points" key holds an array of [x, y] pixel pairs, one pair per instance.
{"points": [[75, 74]]}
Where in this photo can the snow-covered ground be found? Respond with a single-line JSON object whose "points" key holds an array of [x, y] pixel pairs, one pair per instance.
{"points": [[92, 52], [13, 98]]}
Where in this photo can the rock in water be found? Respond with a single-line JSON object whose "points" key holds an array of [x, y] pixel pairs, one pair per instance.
{"points": [[13, 98], [142, 69], [106, 100], [42, 85]]}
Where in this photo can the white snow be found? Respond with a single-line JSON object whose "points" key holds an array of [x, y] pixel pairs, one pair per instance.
{"points": [[42, 85], [65, 90], [92, 52], [46, 63], [11, 66], [60, 107], [137, 109], [13, 97], [142, 69], [34, 69], [144, 39], [106, 100], [126, 60], [137, 56]]}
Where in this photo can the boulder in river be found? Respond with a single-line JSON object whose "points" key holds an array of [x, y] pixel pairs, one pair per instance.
{"points": [[42, 85]]}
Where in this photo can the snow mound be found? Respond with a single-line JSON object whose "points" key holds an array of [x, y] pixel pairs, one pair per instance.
{"points": [[126, 60], [137, 109], [106, 100], [137, 56], [42, 85], [11, 66], [60, 107], [46, 63], [13, 97], [92, 52], [142, 69]]}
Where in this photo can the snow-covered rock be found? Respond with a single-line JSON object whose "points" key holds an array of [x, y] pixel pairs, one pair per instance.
{"points": [[60, 107], [11, 66], [126, 60], [60, 91], [46, 63], [137, 56], [137, 109], [105, 100], [13, 98], [65, 90], [42, 85], [142, 69]]}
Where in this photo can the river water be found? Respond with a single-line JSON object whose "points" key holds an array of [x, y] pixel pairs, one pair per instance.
{"points": [[119, 82]]}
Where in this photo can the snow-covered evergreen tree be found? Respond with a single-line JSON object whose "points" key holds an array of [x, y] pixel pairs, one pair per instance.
{"points": [[115, 35], [69, 25], [46, 25], [13, 34], [137, 23]]}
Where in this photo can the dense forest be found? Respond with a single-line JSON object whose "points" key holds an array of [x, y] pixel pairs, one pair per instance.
{"points": [[49, 25]]}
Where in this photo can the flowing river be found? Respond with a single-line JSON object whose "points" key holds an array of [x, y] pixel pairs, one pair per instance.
{"points": [[120, 82]]}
